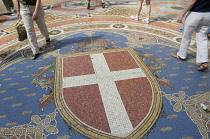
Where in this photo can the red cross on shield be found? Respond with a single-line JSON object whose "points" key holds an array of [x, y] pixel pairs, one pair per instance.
{"points": [[107, 94]]}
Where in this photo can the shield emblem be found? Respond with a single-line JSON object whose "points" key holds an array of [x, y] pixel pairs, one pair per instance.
{"points": [[107, 94]]}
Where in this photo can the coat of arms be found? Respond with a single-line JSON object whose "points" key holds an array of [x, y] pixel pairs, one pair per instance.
{"points": [[107, 94]]}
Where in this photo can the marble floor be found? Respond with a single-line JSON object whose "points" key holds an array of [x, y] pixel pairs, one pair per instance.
{"points": [[103, 76]]}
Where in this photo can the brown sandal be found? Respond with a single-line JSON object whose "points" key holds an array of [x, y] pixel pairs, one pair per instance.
{"points": [[202, 66], [176, 56]]}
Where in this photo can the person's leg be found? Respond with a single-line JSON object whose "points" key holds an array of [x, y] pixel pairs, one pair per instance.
{"points": [[148, 4], [201, 38], [42, 25], [147, 19], [202, 48], [202, 44], [136, 17], [31, 35], [139, 7], [189, 28], [7, 5], [11, 4]]}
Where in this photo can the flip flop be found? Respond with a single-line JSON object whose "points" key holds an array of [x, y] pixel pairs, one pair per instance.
{"points": [[202, 66]]}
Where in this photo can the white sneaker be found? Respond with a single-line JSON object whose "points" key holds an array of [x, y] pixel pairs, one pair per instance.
{"points": [[135, 17], [146, 20]]}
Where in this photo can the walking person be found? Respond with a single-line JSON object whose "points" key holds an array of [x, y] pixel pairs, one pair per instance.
{"points": [[9, 6], [148, 4], [31, 11], [197, 19]]}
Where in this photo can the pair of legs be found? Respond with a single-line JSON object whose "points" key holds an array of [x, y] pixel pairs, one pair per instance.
{"points": [[88, 3], [148, 4], [198, 22], [26, 15]]}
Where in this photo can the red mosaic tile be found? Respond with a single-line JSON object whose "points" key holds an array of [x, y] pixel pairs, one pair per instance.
{"points": [[76, 66], [3, 19], [86, 104], [120, 61], [136, 95], [158, 10]]}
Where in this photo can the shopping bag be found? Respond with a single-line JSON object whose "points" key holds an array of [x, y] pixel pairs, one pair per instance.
{"points": [[22, 35]]}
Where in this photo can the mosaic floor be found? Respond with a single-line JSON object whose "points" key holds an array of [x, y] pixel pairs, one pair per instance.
{"points": [[103, 76]]}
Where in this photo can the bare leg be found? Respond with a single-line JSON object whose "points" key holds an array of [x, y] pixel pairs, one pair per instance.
{"points": [[139, 7], [148, 4], [136, 17], [147, 20]]}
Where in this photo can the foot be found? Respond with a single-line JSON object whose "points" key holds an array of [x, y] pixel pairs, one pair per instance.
{"points": [[35, 56], [176, 56], [202, 66], [48, 41], [135, 17], [103, 5], [146, 20]]}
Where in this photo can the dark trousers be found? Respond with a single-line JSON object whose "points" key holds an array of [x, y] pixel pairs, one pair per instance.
{"points": [[9, 5]]}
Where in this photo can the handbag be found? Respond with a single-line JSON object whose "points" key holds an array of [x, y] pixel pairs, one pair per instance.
{"points": [[21, 30]]}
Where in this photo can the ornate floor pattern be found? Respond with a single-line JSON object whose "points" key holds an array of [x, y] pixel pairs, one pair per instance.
{"points": [[103, 76]]}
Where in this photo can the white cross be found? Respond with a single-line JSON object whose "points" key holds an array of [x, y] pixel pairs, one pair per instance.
{"points": [[117, 116]]}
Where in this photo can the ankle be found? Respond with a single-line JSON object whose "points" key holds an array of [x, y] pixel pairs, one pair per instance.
{"points": [[204, 63]]}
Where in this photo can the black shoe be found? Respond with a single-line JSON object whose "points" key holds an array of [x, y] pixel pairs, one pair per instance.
{"points": [[103, 5], [35, 56], [48, 41]]}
